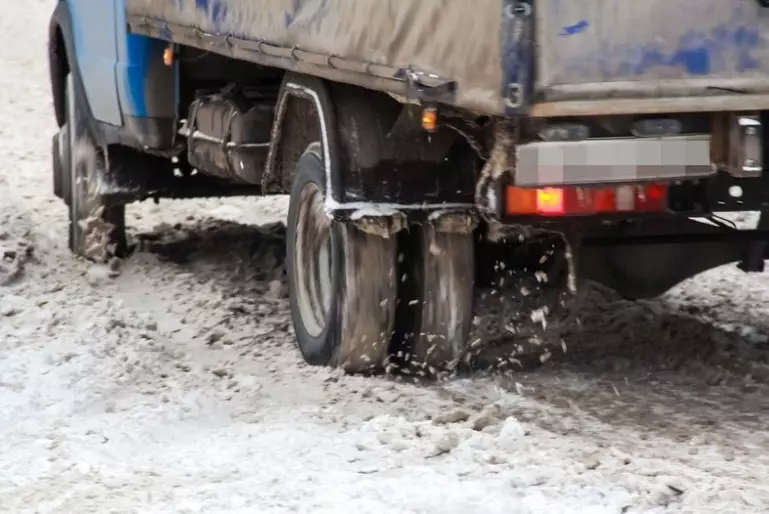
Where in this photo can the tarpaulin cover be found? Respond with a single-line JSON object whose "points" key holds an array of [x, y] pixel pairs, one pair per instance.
{"points": [[585, 49], [460, 40], [652, 47]]}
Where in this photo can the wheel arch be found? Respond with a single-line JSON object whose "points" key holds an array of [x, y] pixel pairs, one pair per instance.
{"points": [[374, 147], [302, 98], [59, 69], [60, 55], [62, 62]]}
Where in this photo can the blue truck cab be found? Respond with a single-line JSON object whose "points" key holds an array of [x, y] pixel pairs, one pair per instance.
{"points": [[120, 77], [410, 134]]}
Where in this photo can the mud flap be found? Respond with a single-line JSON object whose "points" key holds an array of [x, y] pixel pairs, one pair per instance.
{"points": [[385, 224]]}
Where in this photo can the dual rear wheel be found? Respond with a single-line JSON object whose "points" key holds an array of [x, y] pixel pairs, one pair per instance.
{"points": [[358, 298]]}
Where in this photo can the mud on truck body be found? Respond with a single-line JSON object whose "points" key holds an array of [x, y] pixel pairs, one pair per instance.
{"points": [[410, 133]]}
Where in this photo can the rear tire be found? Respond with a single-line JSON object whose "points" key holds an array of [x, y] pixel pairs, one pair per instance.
{"points": [[96, 227], [342, 281], [440, 310]]}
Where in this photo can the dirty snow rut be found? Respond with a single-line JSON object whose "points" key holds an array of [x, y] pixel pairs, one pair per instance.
{"points": [[176, 388]]}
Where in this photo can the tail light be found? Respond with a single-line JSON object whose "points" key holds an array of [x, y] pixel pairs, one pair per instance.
{"points": [[565, 201]]}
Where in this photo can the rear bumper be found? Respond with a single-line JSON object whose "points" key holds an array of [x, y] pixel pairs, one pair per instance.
{"points": [[611, 106], [707, 172]]}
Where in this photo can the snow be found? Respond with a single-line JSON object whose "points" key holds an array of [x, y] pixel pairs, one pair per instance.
{"points": [[175, 387]]}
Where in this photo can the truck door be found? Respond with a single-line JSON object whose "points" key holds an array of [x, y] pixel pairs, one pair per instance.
{"points": [[146, 87], [95, 42]]}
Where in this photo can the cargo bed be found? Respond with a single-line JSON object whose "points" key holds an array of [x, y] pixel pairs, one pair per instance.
{"points": [[591, 57]]}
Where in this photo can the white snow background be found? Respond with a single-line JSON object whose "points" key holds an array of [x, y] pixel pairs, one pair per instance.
{"points": [[176, 386]]}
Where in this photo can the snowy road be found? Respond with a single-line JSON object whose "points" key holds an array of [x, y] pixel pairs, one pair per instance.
{"points": [[176, 388]]}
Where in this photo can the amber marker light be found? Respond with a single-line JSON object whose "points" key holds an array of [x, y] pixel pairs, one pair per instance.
{"points": [[168, 56], [430, 119]]}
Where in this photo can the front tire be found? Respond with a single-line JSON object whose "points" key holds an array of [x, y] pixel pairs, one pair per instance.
{"points": [[342, 281], [96, 227]]}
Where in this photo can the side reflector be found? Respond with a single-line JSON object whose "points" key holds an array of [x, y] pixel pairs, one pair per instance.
{"points": [[557, 201]]}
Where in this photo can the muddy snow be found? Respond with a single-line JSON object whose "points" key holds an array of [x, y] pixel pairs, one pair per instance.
{"points": [[175, 387]]}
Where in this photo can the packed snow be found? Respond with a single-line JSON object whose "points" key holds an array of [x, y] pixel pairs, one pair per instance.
{"points": [[175, 386]]}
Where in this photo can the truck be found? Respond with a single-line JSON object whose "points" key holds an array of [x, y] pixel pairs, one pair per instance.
{"points": [[411, 135]]}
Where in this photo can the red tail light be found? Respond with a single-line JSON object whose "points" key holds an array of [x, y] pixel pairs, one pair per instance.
{"points": [[564, 201]]}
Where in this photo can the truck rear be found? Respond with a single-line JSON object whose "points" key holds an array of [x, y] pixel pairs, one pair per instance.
{"points": [[587, 140]]}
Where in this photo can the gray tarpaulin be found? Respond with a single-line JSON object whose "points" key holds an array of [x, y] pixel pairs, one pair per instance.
{"points": [[598, 48], [585, 49], [456, 39]]}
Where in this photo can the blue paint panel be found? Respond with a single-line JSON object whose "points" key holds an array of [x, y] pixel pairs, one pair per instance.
{"points": [[583, 41], [135, 66], [135, 56], [698, 53], [312, 11], [576, 28], [216, 9]]}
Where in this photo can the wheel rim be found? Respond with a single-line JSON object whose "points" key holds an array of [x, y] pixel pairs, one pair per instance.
{"points": [[313, 260]]}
